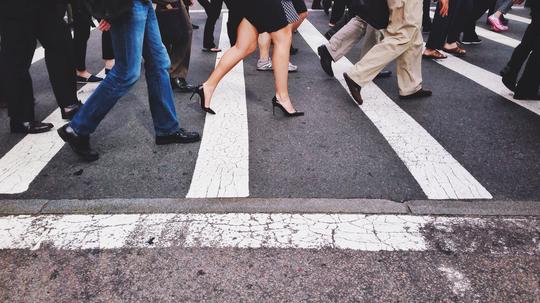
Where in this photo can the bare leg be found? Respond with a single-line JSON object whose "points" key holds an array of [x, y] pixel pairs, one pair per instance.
{"points": [[109, 63], [280, 58], [245, 45], [264, 46]]}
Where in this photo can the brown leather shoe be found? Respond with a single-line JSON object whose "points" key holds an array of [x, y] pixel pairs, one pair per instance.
{"points": [[354, 89]]}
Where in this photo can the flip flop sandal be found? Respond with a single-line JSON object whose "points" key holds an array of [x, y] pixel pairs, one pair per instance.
{"points": [[435, 55], [456, 51], [211, 50]]}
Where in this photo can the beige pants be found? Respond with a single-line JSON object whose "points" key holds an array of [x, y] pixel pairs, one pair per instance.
{"points": [[402, 42], [352, 33]]}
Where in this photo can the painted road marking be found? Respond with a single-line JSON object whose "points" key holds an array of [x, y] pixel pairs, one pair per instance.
{"points": [[499, 38], [439, 175], [244, 230], [21, 165], [486, 79], [518, 18], [222, 168]]}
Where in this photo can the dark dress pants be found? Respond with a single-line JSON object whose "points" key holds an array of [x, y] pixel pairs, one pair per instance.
{"points": [[478, 10], [235, 17], [176, 33], [213, 10], [82, 21], [447, 29], [529, 82], [338, 9], [426, 19], [41, 20]]}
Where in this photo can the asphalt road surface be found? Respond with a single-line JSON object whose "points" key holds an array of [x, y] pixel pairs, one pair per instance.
{"points": [[431, 200]]}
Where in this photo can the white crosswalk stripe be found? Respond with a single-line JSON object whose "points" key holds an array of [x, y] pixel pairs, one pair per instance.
{"points": [[517, 18], [222, 168], [22, 164], [439, 175], [486, 79]]}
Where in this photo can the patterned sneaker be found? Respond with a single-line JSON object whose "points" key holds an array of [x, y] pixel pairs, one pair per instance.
{"points": [[496, 24], [292, 68], [264, 65]]}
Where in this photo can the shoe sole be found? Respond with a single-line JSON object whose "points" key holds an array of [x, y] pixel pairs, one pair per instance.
{"points": [[176, 142], [64, 138]]}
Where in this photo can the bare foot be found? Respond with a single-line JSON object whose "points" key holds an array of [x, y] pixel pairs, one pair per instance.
{"points": [[287, 104], [85, 74], [208, 92]]}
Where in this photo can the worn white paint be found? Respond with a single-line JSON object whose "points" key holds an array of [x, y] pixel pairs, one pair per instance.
{"points": [[21, 165], [222, 168], [305, 231], [460, 285], [439, 175]]}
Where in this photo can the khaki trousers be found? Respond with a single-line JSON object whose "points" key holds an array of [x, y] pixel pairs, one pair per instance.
{"points": [[352, 33], [402, 42]]}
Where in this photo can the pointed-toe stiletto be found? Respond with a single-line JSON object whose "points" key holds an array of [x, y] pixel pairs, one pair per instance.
{"points": [[200, 92], [275, 103]]}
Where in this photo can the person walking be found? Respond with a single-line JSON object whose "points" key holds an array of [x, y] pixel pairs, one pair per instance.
{"points": [[213, 11], [450, 18], [24, 21], [528, 84], [176, 34], [345, 39], [402, 42], [135, 34], [258, 17]]}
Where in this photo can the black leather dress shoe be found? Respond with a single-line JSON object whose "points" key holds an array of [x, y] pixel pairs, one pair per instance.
{"points": [[354, 88], [384, 74], [326, 60], [32, 127], [181, 85], [70, 111], [533, 97], [509, 78], [181, 136], [79, 144], [422, 93]]}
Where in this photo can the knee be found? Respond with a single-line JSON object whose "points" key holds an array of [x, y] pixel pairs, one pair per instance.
{"points": [[125, 77]]}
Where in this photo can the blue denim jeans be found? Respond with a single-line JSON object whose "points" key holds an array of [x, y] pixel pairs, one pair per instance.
{"points": [[134, 37]]}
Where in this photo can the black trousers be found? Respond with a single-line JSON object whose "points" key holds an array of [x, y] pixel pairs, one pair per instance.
{"points": [[478, 10], [529, 82], [176, 34], [338, 9], [41, 20], [447, 29], [82, 22], [213, 10], [235, 17], [426, 19]]}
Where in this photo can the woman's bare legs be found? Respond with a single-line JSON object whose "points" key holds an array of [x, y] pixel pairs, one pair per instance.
{"points": [[245, 45], [264, 46], [280, 60]]}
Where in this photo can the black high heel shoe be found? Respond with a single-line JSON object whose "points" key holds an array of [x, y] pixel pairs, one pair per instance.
{"points": [[200, 92], [275, 103]]}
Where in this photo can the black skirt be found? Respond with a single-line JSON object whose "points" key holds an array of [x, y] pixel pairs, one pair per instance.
{"points": [[266, 15]]}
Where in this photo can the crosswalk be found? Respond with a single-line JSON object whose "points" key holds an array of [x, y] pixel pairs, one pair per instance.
{"points": [[223, 165]]}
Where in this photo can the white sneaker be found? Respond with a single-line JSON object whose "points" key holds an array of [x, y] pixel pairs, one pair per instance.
{"points": [[264, 65], [292, 68]]}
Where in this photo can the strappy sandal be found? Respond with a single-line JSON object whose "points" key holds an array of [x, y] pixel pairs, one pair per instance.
{"points": [[435, 54], [456, 51]]}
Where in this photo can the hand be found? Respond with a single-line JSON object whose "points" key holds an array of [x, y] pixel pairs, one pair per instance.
{"points": [[104, 26], [444, 8]]}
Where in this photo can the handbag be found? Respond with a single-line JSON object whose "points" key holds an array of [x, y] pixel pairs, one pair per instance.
{"points": [[374, 12]]}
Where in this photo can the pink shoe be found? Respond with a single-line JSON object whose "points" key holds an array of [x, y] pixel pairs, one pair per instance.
{"points": [[496, 24]]}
